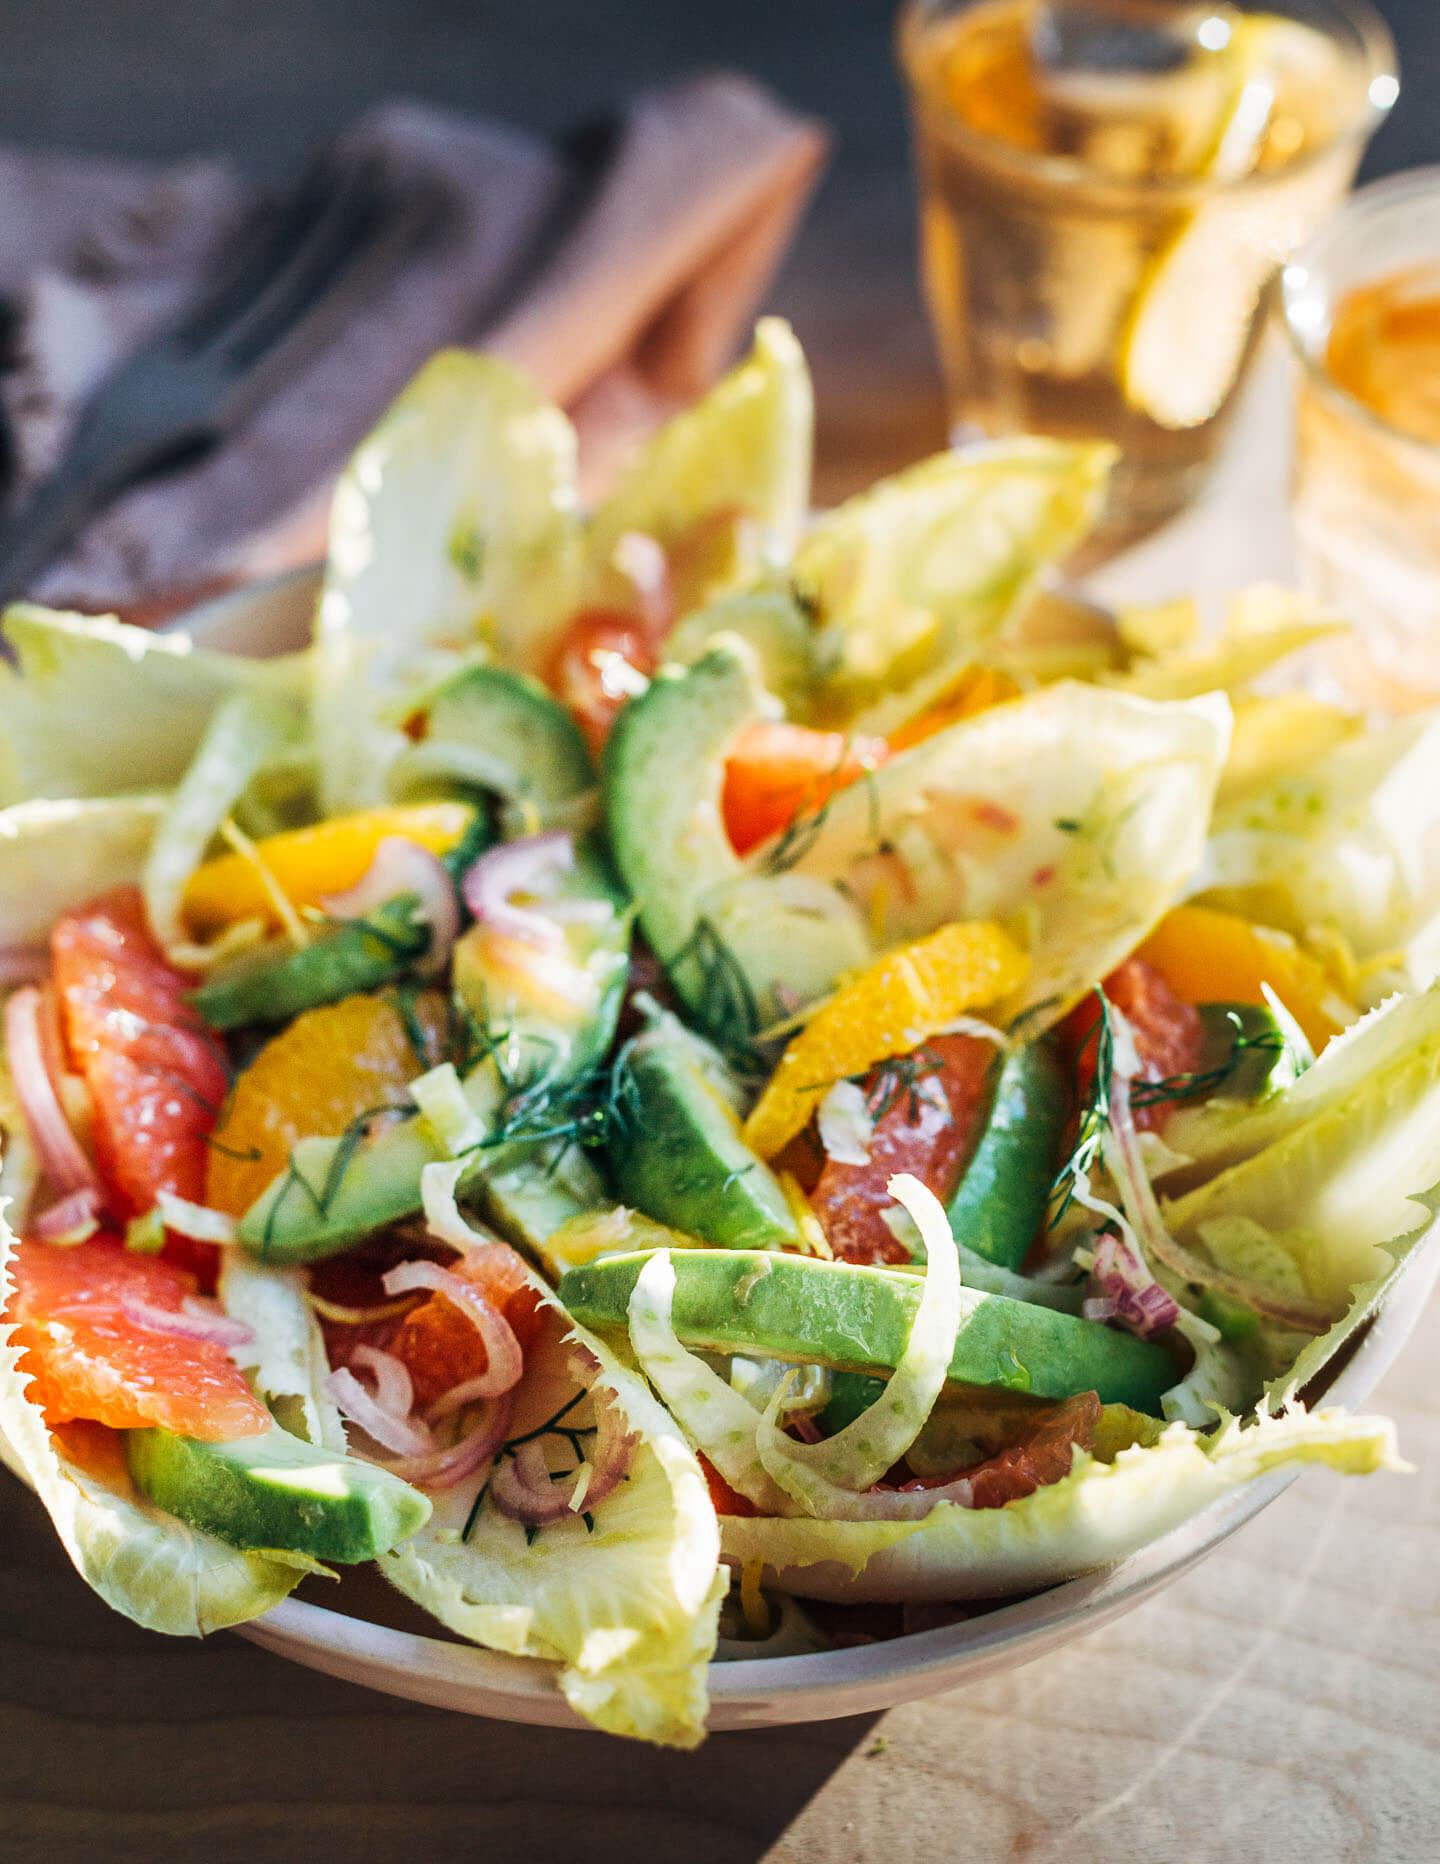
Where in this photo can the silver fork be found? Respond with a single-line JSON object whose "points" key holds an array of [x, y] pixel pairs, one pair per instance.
{"points": [[292, 281]]}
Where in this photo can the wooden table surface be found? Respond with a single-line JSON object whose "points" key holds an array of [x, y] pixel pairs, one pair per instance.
{"points": [[1281, 1703]]}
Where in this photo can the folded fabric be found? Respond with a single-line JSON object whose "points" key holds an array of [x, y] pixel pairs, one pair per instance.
{"points": [[619, 270]]}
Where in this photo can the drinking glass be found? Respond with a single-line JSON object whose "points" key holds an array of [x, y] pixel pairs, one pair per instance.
{"points": [[1366, 491], [1107, 190]]}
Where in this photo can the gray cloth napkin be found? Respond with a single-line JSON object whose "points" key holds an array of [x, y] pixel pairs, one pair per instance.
{"points": [[622, 285]]}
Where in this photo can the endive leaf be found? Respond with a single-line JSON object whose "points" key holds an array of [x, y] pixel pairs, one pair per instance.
{"points": [[912, 580], [454, 527], [627, 1603], [55, 855], [1074, 817], [1096, 1515], [94, 707]]}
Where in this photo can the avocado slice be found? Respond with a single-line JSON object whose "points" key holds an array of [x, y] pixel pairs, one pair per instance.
{"points": [[500, 731], [1247, 1048], [274, 984], [531, 1189], [857, 1319], [275, 1490], [664, 768], [675, 1150], [324, 1203], [729, 933], [772, 626], [349, 956], [543, 1034], [999, 1203]]}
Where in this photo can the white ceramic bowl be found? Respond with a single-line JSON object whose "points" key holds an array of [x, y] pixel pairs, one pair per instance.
{"points": [[275, 618]]}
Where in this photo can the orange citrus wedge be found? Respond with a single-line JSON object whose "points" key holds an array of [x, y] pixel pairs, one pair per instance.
{"points": [[1213, 957], [305, 864], [902, 1000], [309, 1082]]}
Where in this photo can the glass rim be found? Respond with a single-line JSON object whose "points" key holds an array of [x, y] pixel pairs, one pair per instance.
{"points": [[1376, 48], [1295, 277]]}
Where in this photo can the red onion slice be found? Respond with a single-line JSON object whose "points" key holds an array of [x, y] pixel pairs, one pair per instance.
{"points": [[62, 1157], [1127, 1292], [523, 1489], [443, 1469], [502, 1349], [358, 1407], [394, 1390], [69, 1220], [403, 866], [522, 866], [193, 1320]]}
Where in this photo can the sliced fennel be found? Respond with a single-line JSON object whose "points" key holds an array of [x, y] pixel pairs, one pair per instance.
{"points": [[828, 1478], [286, 1359], [713, 1415]]}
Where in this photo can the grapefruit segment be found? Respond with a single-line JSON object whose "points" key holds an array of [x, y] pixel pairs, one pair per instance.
{"points": [[89, 1358]]}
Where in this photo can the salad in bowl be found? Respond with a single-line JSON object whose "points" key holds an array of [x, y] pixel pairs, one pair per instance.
{"points": [[687, 1070]]}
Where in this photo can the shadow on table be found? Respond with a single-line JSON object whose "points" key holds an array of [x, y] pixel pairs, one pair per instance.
{"points": [[120, 1744]]}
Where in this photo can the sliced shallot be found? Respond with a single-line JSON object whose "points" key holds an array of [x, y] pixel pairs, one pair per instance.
{"points": [[442, 1469], [193, 1320], [394, 1389], [62, 1157], [502, 1349], [522, 1487], [512, 867], [358, 1407], [403, 866], [70, 1219]]}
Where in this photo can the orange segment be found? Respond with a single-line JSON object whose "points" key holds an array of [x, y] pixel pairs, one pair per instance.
{"points": [[977, 689], [330, 1066], [1213, 957], [308, 863], [901, 1001]]}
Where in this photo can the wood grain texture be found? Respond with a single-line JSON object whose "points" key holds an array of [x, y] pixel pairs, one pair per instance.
{"points": [[1281, 1702]]}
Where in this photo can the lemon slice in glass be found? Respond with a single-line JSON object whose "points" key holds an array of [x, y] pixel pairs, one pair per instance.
{"points": [[1192, 316]]}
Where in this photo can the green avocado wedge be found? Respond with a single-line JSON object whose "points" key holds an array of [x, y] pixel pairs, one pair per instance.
{"points": [[1248, 1051], [276, 1491], [498, 731], [676, 1153], [999, 1204], [857, 1319], [340, 961]]}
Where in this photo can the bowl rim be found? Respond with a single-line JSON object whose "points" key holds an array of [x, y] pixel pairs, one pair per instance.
{"points": [[747, 1692]]}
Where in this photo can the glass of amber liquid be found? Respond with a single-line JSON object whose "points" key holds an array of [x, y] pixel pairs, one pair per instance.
{"points": [[1362, 305], [1107, 191]]}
